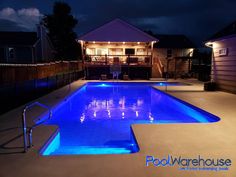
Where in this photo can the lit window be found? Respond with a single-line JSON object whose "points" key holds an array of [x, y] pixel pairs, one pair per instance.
{"points": [[102, 51], [141, 51], [223, 52], [90, 51]]}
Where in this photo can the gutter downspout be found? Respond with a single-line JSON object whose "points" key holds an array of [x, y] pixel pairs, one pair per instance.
{"points": [[210, 45], [34, 58]]}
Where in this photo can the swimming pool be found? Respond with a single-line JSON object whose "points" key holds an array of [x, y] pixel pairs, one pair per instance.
{"points": [[97, 118]]}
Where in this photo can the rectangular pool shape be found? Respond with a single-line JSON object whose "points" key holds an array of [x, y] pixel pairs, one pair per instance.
{"points": [[97, 118]]}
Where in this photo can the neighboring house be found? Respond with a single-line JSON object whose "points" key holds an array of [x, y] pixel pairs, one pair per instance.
{"points": [[175, 54], [25, 47], [117, 43], [223, 45]]}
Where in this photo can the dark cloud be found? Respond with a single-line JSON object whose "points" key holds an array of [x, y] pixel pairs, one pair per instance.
{"points": [[198, 19]]}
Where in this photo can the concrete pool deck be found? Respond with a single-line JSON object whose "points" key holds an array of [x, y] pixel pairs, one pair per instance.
{"points": [[210, 140]]}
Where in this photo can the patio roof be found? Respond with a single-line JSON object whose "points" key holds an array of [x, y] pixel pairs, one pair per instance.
{"points": [[117, 31]]}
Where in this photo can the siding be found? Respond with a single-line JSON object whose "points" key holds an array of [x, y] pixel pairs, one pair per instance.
{"points": [[2, 54], [224, 67], [23, 55]]}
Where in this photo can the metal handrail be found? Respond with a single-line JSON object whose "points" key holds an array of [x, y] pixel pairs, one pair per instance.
{"points": [[166, 78], [30, 131]]}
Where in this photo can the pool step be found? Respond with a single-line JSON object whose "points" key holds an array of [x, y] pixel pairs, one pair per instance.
{"points": [[157, 79], [76, 150]]}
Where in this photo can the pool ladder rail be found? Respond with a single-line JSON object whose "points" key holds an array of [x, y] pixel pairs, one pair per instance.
{"points": [[29, 131], [166, 80]]}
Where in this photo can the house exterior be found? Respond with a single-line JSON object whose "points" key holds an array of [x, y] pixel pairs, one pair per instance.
{"points": [[25, 47], [223, 45], [174, 53], [121, 44]]}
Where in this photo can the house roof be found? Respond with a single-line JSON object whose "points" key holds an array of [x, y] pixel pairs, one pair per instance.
{"points": [[18, 38], [227, 31], [117, 31], [173, 41]]}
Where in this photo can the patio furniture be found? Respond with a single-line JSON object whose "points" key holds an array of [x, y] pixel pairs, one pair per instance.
{"points": [[103, 77], [210, 86], [125, 77], [147, 60], [132, 60], [116, 60], [115, 70]]}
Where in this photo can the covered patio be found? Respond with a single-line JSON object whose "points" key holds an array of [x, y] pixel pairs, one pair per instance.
{"points": [[117, 43]]}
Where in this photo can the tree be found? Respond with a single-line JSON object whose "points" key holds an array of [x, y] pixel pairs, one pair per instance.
{"points": [[60, 26]]}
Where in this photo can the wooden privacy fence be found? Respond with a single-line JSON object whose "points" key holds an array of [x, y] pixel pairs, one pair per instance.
{"points": [[10, 73]]}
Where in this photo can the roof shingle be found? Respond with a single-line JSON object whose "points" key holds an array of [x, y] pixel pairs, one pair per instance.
{"points": [[173, 41], [227, 31], [117, 31]]}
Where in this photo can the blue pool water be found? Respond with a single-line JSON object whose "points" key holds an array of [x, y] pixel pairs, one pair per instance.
{"points": [[97, 118]]}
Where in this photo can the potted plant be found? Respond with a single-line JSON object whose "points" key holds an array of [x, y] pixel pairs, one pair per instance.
{"points": [[210, 86], [125, 76]]}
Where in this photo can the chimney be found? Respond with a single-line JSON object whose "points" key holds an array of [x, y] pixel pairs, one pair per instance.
{"points": [[40, 31]]}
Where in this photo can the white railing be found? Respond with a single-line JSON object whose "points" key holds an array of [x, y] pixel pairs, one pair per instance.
{"points": [[28, 143]]}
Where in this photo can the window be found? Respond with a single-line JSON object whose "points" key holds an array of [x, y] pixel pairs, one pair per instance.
{"points": [[115, 51], [169, 53], [11, 53], [141, 51], [119, 51], [102, 51], [223, 52], [90, 51]]}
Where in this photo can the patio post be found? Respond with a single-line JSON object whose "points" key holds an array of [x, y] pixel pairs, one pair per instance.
{"points": [[152, 43], [82, 52], [175, 68]]}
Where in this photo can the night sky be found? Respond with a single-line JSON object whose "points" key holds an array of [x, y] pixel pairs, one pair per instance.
{"points": [[198, 19]]}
